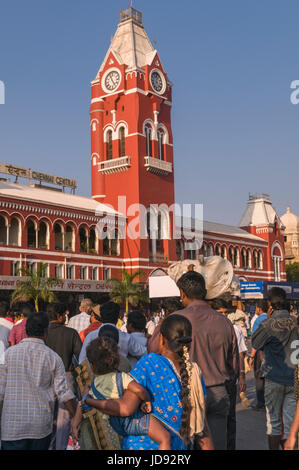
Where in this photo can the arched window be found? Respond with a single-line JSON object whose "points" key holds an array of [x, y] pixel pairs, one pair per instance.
{"points": [[3, 231], [114, 243], [83, 240], [92, 241], [231, 255], [244, 258], [14, 232], [159, 244], [179, 250], [210, 250], [204, 250], [255, 259], [69, 238], [42, 235], [109, 148], [122, 142], [218, 250], [149, 143], [248, 258], [106, 242], [58, 237], [260, 260], [236, 257], [223, 251], [31, 234], [111, 245], [161, 144]]}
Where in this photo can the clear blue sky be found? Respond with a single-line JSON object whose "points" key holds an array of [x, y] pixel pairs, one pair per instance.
{"points": [[231, 63]]}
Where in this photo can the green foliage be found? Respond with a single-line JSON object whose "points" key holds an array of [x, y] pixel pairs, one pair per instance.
{"points": [[292, 272], [126, 292], [35, 286]]}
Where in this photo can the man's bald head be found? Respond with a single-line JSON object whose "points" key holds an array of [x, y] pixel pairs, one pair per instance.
{"points": [[86, 306]]}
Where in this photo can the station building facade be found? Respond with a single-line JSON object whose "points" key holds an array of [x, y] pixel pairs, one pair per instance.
{"points": [[132, 158]]}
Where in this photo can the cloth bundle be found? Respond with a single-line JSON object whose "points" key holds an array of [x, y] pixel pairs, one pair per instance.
{"points": [[217, 272]]}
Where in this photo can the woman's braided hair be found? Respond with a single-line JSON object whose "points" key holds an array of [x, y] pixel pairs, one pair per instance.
{"points": [[177, 330]]}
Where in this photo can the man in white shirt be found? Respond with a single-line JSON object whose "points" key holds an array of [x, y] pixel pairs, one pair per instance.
{"points": [[150, 326], [5, 326], [136, 328], [127, 344], [81, 321]]}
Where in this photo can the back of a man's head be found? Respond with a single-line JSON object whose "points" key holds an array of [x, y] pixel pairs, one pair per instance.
{"points": [[109, 331], [37, 325], [262, 305], [171, 306], [193, 285], [86, 305], [4, 309], [55, 310], [136, 321], [278, 298], [219, 304], [110, 312]]}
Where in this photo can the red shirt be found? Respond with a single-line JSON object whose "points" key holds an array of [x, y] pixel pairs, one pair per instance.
{"points": [[18, 332], [93, 326]]}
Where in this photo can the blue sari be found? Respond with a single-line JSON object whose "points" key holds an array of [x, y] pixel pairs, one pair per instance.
{"points": [[159, 376]]}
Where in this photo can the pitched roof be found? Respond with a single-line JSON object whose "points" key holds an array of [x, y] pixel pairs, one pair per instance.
{"points": [[51, 197], [259, 212], [215, 228], [130, 44]]}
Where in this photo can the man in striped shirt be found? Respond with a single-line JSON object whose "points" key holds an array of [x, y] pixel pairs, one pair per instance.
{"points": [[31, 375], [82, 321]]}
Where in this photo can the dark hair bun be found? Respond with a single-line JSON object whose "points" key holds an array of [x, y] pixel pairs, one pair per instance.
{"points": [[184, 340]]}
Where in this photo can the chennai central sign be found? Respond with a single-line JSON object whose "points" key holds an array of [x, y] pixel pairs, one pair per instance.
{"points": [[20, 172]]}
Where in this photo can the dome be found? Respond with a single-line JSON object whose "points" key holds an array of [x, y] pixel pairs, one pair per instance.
{"points": [[290, 221]]}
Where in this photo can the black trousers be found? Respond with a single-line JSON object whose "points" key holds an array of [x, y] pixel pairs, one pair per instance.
{"points": [[259, 382], [27, 444], [232, 389], [217, 411]]}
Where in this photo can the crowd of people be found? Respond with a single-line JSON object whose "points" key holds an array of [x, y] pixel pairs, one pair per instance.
{"points": [[163, 381]]}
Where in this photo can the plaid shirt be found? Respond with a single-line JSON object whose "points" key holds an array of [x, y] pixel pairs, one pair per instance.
{"points": [[80, 322], [30, 378]]}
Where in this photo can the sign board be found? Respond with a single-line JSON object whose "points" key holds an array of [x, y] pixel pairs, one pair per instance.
{"points": [[260, 289], [37, 176], [162, 286], [286, 286], [65, 285], [252, 290]]}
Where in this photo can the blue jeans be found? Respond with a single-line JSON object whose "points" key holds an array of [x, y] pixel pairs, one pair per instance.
{"points": [[27, 444], [280, 405]]}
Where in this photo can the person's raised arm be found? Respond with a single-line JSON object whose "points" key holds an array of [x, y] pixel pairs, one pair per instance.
{"points": [[122, 407]]}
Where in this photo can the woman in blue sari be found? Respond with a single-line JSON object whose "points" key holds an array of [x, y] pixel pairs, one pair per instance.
{"points": [[167, 378]]}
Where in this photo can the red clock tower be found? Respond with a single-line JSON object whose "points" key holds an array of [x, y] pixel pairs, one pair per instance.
{"points": [[131, 138]]}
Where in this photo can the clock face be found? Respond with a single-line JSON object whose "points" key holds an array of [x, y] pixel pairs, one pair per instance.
{"points": [[157, 82], [112, 80]]}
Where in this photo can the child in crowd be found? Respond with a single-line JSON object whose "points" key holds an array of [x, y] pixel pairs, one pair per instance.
{"points": [[103, 356]]}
